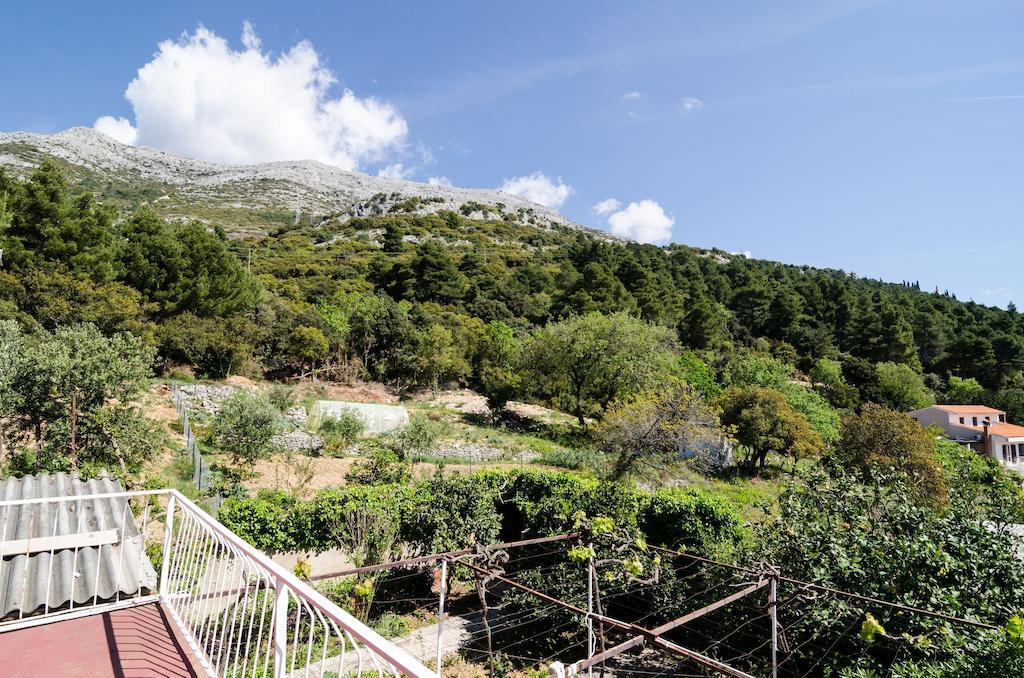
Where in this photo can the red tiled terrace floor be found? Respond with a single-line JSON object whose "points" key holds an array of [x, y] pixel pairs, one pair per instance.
{"points": [[138, 642]]}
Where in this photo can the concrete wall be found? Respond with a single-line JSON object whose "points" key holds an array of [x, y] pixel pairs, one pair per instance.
{"points": [[948, 422]]}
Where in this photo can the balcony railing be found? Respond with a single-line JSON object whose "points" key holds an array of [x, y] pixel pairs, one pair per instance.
{"points": [[241, 613]]}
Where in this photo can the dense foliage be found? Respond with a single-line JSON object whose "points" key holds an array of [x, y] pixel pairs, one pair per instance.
{"points": [[448, 512], [441, 298], [72, 392]]}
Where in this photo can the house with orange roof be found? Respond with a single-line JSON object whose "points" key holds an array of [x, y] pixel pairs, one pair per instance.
{"points": [[983, 429]]}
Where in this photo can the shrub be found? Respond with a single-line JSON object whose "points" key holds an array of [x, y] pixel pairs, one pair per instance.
{"points": [[391, 625], [420, 435], [381, 466], [281, 396], [340, 432], [245, 425], [265, 521]]}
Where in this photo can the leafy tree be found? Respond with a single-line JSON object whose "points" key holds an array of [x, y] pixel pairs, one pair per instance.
{"points": [[827, 377], [882, 440], [438, 358], [877, 540], [307, 346], [218, 347], [964, 391], [749, 368], [68, 377], [10, 356], [899, 387], [245, 426], [699, 375], [648, 436], [827, 372], [822, 417], [763, 422], [590, 361], [499, 379]]}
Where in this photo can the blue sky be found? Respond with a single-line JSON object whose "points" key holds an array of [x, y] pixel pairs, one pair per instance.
{"points": [[885, 138]]}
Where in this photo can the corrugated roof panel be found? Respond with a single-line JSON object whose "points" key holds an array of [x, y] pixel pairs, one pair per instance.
{"points": [[29, 582]]}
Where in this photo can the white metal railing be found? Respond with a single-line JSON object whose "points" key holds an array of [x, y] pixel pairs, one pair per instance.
{"points": [[240, 612]]}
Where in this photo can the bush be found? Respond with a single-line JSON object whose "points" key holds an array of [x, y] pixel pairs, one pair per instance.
{"points": [[391, 625], [281, 396], [454, 511], [420, 436], [245, 425], [266, 521], [382, 466], [340, 432]]}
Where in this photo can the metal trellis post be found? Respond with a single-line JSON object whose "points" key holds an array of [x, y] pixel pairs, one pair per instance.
{"points": [[591, 638], [442, 589], [772, 604]]}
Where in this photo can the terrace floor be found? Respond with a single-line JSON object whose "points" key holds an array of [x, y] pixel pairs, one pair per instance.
{"points": [[137, 642]]}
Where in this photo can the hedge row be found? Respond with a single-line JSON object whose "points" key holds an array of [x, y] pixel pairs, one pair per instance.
{"points": [[455, 511]]}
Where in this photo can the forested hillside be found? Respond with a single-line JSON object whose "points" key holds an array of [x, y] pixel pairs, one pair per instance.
{"points": [[795, 372], [422, 299]]}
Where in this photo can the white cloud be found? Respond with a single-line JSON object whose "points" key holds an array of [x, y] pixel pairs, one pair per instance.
{"points": [[396, 171], [539, 188], [606, 206], [201, 98], [426, 157], [644, 221], [631, 96], [691, 104], [118, 128], [439, 181]]}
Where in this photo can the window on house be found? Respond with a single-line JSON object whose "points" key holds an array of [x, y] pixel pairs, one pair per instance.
{"points": [[961, 420], [1006, 453], [975, 420], [1002, 417]]}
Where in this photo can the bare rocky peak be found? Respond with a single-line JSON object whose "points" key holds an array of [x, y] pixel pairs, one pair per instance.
{"points": [[303, 186]]}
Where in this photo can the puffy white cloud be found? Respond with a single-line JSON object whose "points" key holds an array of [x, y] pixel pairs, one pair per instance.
{"points": [[631, 96], [539, 188], [201, 98], [644, 221], [396, 171], [118, 128], [439, 181], [606, 206], [691, 104]]}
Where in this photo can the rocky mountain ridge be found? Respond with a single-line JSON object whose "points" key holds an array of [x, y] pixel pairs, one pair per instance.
{"points": [[251, 199]]}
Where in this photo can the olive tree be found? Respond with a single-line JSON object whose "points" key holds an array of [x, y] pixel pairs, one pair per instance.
{"points": [[245, 425], [588, 362], [68, 379], [647, 436]]}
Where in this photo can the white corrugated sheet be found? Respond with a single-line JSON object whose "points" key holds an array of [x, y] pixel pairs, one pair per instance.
{"points": [[377, 418], [104, 572]]}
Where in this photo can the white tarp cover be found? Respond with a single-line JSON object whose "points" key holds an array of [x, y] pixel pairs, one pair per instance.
{"points": [[378, 418]]}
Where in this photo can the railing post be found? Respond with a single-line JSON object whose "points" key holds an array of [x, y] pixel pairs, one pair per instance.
{"points": [[165, 565], [442, 589], [280, 628]]}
